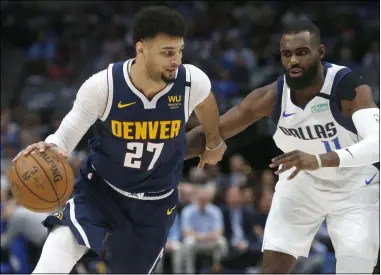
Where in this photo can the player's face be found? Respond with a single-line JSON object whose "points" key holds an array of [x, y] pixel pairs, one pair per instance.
{"points": [[301, 58], [162, 56]]}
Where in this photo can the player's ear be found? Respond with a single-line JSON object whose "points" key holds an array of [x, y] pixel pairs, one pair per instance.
{"points": [[139, 48], [321, 51]]}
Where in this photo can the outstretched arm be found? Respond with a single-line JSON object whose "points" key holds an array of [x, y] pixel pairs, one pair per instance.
{"points": [[258, 104]]}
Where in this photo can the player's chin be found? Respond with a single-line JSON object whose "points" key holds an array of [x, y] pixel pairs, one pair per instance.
{"points": [[169, 76]]}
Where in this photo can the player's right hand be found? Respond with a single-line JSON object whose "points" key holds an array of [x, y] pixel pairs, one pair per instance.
{"points": [[41, 147], [212, 156]]}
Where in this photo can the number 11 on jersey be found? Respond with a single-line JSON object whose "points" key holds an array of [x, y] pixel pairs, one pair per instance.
{"points": [[335, 142], [133, 159]]}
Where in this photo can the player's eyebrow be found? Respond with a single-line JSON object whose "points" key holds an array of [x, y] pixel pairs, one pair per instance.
{"points": [[296, 49], [171, 47]]}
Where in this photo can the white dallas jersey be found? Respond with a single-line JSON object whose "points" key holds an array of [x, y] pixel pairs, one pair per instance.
{"points": [[319, 128]]}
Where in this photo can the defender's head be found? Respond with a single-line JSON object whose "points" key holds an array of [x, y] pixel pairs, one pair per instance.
{"points": [[301, 53], [158, 34]]}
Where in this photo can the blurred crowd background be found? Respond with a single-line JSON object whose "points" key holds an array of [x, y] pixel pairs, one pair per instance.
{"points": [[50, 48]]}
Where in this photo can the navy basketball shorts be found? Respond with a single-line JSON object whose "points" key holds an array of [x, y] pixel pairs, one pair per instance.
{"points": [[128, 233]]}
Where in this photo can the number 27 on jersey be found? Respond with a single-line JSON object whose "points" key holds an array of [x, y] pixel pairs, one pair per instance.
{"points": [[133, 158]]}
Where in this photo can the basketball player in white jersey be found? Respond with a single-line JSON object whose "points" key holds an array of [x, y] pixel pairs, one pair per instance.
{"points": [[328, 128]]}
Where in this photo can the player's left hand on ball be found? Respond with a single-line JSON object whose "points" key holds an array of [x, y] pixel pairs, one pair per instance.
{"points": [[212, 156], [298, 159]]}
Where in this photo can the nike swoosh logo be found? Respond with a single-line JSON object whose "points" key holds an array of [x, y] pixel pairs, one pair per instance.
{"points": [[120, 105], [349, 153], [369, 181], [169, 211], [287, 115]]}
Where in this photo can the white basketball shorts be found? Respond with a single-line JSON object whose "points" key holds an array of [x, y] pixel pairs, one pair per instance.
{"points": [[298, 209]]}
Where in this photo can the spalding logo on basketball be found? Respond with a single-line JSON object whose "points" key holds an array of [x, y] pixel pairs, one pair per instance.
{"points": [[42, 181]]}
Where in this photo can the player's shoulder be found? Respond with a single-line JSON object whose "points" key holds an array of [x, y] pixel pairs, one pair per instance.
{"points": [[337, 69], [346, 81], [196, 74]]}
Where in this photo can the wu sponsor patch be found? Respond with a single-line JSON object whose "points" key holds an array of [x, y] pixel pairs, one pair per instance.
{"points": [[174, 102]]}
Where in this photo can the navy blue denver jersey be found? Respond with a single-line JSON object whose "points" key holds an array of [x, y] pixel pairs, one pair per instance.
{"points": [[140, 146]]}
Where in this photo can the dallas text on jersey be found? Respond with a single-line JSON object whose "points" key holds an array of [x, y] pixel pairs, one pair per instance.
{"points": [[311, 132]]}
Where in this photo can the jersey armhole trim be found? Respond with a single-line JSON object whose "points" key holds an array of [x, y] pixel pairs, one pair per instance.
{"points": [[188, 82], [110, 93], [278, 104], [345, 122]]}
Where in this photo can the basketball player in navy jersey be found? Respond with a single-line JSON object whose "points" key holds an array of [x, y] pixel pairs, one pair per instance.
{"points": [[328, 128], [125, 197]]}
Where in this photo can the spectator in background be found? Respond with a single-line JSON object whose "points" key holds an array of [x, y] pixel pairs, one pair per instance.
{"points": [[173, 248], [248, 196], [371, 59], [240, 74], [214, 178], [237, 174], [9, 139], [32, 129], [197, 176], [111, 46], [224, 87], [43, 49], [202, 228], [41, 53], [23, 237], [346, 58], [186, 195], [239, 50], [245, 249], [262, 211], [268, 180], [371, 67]]}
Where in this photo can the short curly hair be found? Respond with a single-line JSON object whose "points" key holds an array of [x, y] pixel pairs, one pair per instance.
{"points": [[302, 26], [151, 21]]}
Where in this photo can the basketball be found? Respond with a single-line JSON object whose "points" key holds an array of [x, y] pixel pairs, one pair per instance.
{"points": [[41, 181]]}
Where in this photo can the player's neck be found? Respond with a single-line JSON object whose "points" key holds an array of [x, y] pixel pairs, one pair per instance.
{"points": [[141, 80]]}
